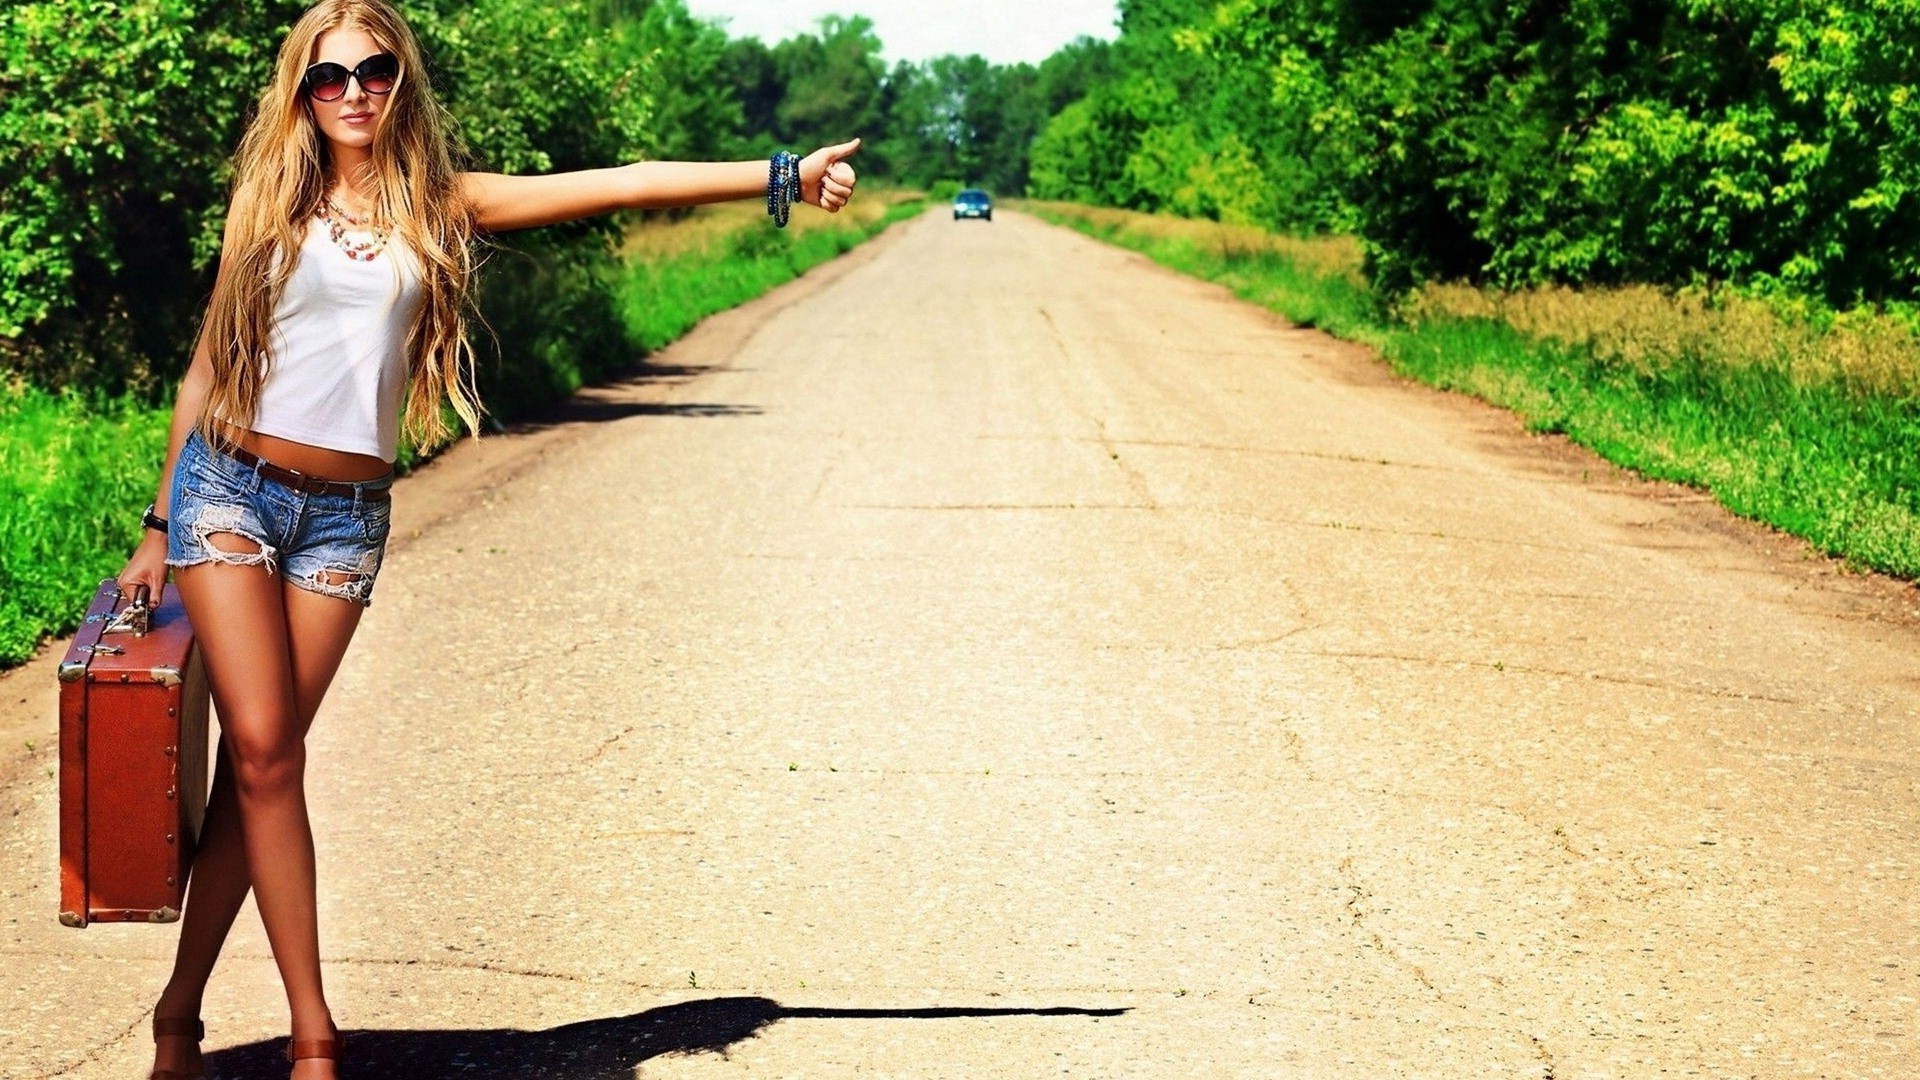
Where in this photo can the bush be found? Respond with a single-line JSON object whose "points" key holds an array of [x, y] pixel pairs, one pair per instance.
{"points": [[118, 121], [121, 118]]}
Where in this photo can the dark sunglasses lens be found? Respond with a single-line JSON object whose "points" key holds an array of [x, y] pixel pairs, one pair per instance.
{"points": [[326, 82], [378, 73]]}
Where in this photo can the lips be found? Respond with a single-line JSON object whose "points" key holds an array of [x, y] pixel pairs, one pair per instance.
{"points": [[355, 118]]}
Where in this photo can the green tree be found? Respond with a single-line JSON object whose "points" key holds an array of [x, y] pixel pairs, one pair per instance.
{"points": [[750, 71], [831, 83], [695, 112], [117, 120], [1519, 141]]}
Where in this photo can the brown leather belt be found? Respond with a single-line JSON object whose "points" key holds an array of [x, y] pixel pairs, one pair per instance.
{"points": [[370, 490]]}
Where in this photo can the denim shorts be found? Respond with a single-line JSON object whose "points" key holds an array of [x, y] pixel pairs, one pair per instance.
{"points": [[329, 543]]}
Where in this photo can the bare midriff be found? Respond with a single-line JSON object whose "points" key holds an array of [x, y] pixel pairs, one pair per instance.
{"points": [[316, 461]]}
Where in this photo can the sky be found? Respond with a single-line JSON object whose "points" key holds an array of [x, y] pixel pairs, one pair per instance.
{"points": [[1003, 31]]}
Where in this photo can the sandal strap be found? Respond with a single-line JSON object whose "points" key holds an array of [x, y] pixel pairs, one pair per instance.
{"points": [[179, 1027], [301, 1049]]}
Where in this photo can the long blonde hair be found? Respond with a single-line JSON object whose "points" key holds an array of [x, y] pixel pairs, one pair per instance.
{"points": [[280, 180]]}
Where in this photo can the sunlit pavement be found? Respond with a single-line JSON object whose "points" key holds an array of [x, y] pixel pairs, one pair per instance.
{"points": [[996, 656]]}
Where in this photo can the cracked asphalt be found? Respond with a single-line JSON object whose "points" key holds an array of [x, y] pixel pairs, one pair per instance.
{"points": [[996, 656]]}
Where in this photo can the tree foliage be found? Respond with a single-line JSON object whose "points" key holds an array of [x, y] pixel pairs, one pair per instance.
{"points": [[1521, 141], [1178, 121], [117, 120]]}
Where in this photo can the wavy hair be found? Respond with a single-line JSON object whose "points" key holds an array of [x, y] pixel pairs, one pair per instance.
{"points": [[280, 180]]}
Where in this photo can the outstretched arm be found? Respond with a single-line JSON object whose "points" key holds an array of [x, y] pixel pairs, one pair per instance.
{"points": [[503, 202]]}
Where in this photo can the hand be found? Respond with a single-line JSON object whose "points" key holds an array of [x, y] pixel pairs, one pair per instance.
{"points": [[147, 567], [826, 180]]}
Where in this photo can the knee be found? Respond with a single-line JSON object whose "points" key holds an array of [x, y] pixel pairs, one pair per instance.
{"points": [[267, 766]]}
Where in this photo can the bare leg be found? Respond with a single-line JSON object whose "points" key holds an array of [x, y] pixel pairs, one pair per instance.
{"points": [[271, 650], [215, 891], [319, 629]]}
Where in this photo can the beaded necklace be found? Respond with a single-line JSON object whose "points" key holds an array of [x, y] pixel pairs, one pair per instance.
{"points": [[339, 221]]}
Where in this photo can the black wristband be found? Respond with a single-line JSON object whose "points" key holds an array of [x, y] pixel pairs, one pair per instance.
{"points": [[153, 521]]}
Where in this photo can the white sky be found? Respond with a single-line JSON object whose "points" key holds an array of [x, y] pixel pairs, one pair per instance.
{"points": [[1003, 31]]}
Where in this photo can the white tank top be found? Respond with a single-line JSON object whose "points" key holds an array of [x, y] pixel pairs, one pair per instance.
{"points": [[337, 374]]}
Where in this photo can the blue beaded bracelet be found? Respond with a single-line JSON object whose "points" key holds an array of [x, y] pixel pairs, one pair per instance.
{"points": [[783, 186], [773, 186]]}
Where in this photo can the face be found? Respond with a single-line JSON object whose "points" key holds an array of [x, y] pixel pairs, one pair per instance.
{"points": [[350, 120]]}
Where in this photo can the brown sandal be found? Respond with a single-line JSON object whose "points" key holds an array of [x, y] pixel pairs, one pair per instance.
{"points": [[329, 1049], [177, 1027]]}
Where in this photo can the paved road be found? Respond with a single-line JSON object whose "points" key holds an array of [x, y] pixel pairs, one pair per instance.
{"points": [[995, 656]]}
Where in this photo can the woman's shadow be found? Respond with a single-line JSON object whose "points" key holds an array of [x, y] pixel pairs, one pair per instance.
{"points": [[609, 1049]]}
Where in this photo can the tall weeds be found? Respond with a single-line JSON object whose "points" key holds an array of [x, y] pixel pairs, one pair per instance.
{"points": [[1647, 329]]}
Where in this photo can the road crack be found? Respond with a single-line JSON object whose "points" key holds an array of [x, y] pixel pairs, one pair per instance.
{"points": [[1359, 909], [94, 1053], [1263, 642], [607, 744], [1136, 480], [1528, 669]]}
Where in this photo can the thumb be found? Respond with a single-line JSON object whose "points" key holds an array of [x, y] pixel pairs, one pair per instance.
{"points": [[844, 150]]}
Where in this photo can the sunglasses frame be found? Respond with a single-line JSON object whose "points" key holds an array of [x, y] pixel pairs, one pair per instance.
{"points": [[356, 74]]}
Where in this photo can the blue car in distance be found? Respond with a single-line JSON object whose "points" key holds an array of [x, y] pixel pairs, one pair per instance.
{"points": [[973, 203]]}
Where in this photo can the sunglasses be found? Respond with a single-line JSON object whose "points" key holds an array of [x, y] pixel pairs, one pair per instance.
{"points": [[328, 82]]}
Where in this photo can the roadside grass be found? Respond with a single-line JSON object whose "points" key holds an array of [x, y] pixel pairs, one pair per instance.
{"points": [[720, 257], [1804, 419], [74, 474], [76, 468]]}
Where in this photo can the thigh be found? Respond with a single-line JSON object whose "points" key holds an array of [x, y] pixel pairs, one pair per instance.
{"points": [[239, 620], [329, 567], [319, 629]]}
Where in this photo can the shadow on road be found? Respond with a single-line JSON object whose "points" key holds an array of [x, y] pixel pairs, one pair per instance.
{"points": [[611, 400], [584, 410], [608, 1049]]}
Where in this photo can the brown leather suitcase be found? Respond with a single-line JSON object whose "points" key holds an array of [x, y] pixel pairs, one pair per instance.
{"points": [[133, 760]]}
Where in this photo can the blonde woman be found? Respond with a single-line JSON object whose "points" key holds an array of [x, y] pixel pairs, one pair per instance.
{"points": [[346, 264]]}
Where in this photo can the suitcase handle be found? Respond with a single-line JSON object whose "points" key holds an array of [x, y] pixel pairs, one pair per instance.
{"points": [[136, 618]]}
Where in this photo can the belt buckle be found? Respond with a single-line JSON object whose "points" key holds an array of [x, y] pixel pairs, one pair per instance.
{"points": [[295, 479]]}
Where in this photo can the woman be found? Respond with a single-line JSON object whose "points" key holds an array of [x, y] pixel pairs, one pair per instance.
{"points": [[273, 505]]}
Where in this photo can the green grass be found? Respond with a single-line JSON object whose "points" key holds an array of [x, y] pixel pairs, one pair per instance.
{"points": [[1820, 459], [75, 470], [74, 473], [660, 299]]}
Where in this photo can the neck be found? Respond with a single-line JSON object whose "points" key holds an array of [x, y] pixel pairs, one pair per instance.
{"points": [[351, 175]]}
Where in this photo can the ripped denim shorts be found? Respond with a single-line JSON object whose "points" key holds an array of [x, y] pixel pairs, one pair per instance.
{"points": [[328, 542]]}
